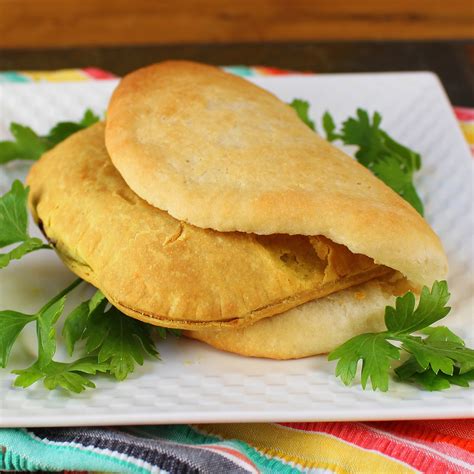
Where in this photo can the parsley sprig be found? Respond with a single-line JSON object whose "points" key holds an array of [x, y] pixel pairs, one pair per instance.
{"points": [[119, 341], [435, 362], [14, 225], [114, 343], [28, 145], [301, 107], [13, 322], [392, 162], [71, 376]]}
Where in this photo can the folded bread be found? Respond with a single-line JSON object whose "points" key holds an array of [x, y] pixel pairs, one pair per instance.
{"points": [[170, 273], [216, 151], [209, 206]]}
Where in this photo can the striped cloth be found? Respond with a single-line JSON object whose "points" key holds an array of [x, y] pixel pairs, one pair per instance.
{"points": [[382, 447], [379, 447]]}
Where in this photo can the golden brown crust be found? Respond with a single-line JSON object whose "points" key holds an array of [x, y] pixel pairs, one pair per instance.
{"points": [[313, 328], [218, 152], [167, 272]]}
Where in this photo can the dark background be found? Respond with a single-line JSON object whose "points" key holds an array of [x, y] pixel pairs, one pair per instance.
{"points": [[453, 61]]}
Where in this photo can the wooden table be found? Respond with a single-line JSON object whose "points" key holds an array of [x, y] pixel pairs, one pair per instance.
{"points": [[453, 61]]}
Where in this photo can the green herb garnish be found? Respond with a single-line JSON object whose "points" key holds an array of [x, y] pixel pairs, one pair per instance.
{"points": [[28, 145], [436, 361], [72, 376], [302, 109], [393, 163], [13, 322], [14, 225], [118, 340], [114, 343]]}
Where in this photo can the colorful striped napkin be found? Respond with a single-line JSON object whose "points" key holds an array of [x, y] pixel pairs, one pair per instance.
{"points": [[377, 447], [382, 447]]}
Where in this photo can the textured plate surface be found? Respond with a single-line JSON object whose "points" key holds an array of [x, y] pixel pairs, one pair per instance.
{"points": [[195, 383]]}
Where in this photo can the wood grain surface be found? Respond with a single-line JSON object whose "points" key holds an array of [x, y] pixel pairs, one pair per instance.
{"points": [[60, 23]]}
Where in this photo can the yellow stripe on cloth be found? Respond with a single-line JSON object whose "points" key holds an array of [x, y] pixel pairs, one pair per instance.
{"points": [[468, 130], [308, 449], [61, 75]]}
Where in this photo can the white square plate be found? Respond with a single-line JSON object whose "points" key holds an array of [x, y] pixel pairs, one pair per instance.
{"points": [[195, 383]]}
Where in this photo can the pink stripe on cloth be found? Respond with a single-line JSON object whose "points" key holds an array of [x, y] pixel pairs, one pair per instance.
{"points": [[464, 114], [98, 74], [413, 452]]}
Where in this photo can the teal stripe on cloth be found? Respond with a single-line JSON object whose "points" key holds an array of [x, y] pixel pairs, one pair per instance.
{"points": [[20, 451], [243, 71], [191, 435], [12, 76]]}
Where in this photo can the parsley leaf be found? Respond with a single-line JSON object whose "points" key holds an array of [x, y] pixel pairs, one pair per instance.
{"points": [[442, 333], [62, 130], [115, 343], [390, 161], [330, 127], [439, 355], [436, 361], [412, 372], [432, 381], [11, 325], [376, 354], [120, 341], [431, 308], [74, 326], [76, 322], [390, 172], [301, 107], [360, 131], [72, 376], [24, 248], [13, 322], [28, 145], [8, 151], [14, 225], [46, 332], [163, 332], [13, 215]]}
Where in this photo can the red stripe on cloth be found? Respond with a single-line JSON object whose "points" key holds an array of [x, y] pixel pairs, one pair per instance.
{"points": [[274, 71], [96, 73], [402, 450], [464, 114], [232, 452], [430, 440], [459, 433]]}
